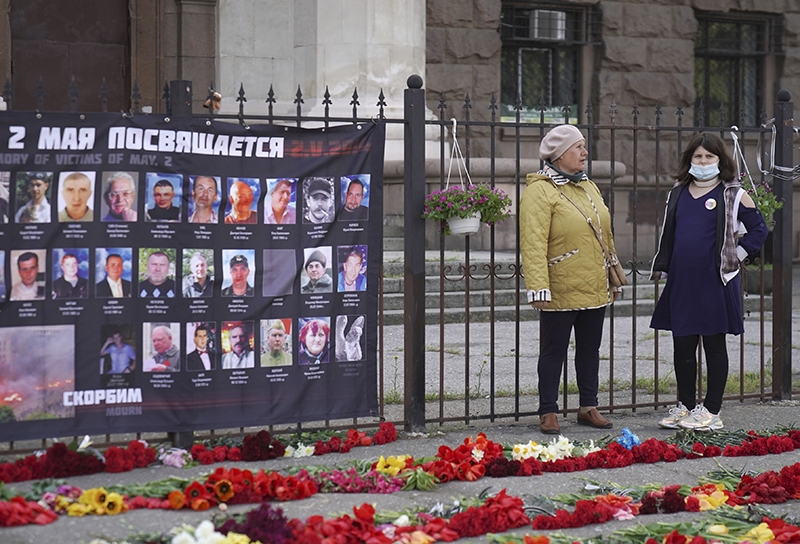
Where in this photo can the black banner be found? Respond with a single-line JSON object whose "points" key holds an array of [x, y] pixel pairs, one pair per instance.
{"points": [[180, 274]]}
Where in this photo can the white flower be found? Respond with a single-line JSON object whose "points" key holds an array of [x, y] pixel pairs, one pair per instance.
{"points": [[183, 538], [303, 451], [85, 443], [289, 451], [204, 529], [402, 521], [477, 454]]}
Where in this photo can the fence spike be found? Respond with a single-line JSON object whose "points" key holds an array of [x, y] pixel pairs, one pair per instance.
{"points": [[381, 104], [8, 93], [612, 111], [241, 99], [589, 111], [493, 103], [135, 97], [635, 111], [270, 101], [355, 103], [165, 97], [442, 105], [467, 104], [299, 101], [104, 95], [658, 112], [40, 94], [73, 96], [722, 114], [566, 109], [701, 113]]}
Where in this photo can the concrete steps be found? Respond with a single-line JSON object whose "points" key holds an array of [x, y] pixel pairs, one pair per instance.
{"points": [[507, 295]]}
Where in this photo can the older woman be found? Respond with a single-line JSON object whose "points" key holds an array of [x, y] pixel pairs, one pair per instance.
{"points": [[314, 347], [565, 271]]}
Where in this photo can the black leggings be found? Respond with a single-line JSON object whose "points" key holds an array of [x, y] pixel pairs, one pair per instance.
{"points": [[686, 369], [555, 329]]}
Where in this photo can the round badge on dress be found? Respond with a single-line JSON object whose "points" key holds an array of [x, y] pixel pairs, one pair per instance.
{"points": [[711, 203]]}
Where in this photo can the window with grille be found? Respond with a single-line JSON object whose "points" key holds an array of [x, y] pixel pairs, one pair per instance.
{"points": [[540, 58], [730, 50]]}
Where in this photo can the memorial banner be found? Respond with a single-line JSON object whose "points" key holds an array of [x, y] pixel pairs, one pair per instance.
{"points": [[177, 274]]}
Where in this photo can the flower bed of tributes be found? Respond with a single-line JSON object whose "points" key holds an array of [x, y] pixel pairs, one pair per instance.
{"points": [[732, 497]]}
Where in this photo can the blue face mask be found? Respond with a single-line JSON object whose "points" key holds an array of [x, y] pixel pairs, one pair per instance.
{"points": [[704, 173]]}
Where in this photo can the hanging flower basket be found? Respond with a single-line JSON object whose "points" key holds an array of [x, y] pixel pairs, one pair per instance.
{"points": [[466, 225], [462, 208]]}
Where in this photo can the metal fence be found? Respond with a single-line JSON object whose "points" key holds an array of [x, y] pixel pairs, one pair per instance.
{"points": [[492, 367]]}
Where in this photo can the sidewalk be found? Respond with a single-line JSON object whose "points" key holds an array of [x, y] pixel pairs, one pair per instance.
{"points": [[747, 416]]}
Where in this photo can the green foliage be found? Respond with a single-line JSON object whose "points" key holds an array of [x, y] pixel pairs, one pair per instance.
{"points": [[493, 204], [762, 195]]}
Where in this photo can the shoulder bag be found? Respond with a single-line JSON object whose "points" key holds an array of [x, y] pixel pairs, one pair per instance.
{"points": [[616, 274]]}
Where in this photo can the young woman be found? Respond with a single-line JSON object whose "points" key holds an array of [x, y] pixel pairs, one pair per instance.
{"points": [[701, 249]]}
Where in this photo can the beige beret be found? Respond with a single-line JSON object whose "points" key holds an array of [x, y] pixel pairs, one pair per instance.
{"points": [[557, 141]]}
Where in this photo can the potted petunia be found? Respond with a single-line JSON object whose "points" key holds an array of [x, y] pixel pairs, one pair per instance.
{"points": [[471, 204]]}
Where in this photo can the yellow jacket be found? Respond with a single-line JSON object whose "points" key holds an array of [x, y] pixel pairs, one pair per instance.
{"points": [[562, 260]]}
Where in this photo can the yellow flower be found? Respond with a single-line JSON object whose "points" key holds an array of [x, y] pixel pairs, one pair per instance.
{"points": [[78, 510], [95, 497], [113, 504], [760, 533], [419, 537], [392, 465], [718, 529], [236, 538], [709, 502]]}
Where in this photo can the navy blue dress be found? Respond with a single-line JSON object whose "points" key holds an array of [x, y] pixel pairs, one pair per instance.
{"points": [[695, 301]]}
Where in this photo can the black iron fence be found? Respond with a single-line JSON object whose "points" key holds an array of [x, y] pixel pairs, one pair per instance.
{"points": [[472, 357]]}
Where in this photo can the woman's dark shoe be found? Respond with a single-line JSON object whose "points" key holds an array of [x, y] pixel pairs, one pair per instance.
{"points": [[548, 423], [594, 419]]}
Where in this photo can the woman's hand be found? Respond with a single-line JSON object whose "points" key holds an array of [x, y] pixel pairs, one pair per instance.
{"points": [[539, 304]]}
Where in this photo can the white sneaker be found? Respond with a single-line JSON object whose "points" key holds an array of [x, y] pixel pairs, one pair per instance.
{"points": [[676, 414], [700, 419]]}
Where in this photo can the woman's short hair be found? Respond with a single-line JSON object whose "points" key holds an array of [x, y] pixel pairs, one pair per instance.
{"points": [[314, 326]]}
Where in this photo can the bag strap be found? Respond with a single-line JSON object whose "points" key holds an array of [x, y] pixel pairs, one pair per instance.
{"points": [[588, 221]]}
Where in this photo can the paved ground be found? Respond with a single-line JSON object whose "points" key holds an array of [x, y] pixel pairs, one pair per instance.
{"points": [[744, 416], [747, 415]]}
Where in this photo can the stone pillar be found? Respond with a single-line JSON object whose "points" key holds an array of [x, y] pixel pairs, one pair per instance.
{"points": [[366, 45]]}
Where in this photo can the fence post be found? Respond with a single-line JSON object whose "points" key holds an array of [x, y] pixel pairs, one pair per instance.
{"points": [[782, 250], [414, 253], [180, 105]]}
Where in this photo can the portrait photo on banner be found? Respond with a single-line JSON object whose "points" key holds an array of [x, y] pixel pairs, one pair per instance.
{"points": [[355, 198], [315, 340], [5, 196], [35, 380], [243, 197], [276, 342], [156, 273], [197, 272], [205, 197], [118, 353], [113, 272], [280, 204], [317, 268], [163, 197], [28, 274], [319, 200], [120, 201], [352, 268], [201, 346], [2, 274], [279, 272], [239, 272], [350, 338], [76, 196], [70, 274], [237, 345], [162, 347], [33, 197]]}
